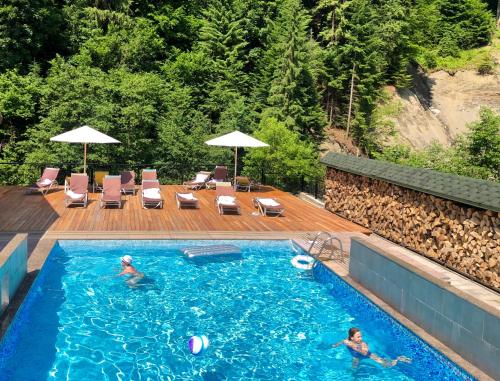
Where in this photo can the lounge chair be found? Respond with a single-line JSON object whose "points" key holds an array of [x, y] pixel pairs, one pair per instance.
{"points": [[225, 198], [46, 182], [268, 206], [220, 175], [151, 194], [198, 182], [186, 200], [77, 192], [98, 180], [243, 183], [111, 191], [128, 182], [149, 174]]}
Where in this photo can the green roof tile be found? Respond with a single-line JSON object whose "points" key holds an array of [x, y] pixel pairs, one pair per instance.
{"points": [[466, 190]]}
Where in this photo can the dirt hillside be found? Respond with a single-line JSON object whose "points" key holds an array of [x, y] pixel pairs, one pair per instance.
{"points": [[440, 105]]}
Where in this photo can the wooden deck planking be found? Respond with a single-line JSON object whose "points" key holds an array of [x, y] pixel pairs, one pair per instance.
{"points": [[20, 212]]}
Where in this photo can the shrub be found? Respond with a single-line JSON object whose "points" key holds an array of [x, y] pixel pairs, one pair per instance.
{"points": [[430, 59], [448, 46], [486, 66]]}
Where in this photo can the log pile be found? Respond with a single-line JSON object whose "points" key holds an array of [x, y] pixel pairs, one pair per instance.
{"points": [[465, 238]]}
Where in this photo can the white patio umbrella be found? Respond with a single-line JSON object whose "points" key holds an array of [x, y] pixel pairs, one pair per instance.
{"points": [[85, 135], [236, 139]]}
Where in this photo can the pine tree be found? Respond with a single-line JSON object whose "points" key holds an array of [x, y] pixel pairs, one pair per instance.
{"points": [[330, 15], [470, 20], [222, 38], [359, 46], [294, 67]]}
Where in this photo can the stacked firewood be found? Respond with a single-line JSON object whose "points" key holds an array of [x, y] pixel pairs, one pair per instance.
{"points": [[462, 237]]}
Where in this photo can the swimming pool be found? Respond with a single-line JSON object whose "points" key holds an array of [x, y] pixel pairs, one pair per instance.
{"points": [[265, 319]]}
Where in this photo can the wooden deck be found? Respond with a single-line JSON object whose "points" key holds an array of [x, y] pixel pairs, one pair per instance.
{"points": [[34, 213]]}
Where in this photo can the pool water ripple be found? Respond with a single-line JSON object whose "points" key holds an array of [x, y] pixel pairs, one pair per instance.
{"points": [[265, 320]]}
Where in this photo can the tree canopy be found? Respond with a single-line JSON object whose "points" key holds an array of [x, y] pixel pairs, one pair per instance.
{"points": [[163, 77]]}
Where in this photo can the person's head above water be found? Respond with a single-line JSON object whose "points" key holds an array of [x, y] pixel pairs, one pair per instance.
{"points": [[127, 259], [355, 335]]}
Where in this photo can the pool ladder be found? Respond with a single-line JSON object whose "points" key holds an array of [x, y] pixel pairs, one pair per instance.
{"points": [[324, 242]]}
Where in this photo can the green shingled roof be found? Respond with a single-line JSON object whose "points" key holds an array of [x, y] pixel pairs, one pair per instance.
{"points": [[480, 193]]}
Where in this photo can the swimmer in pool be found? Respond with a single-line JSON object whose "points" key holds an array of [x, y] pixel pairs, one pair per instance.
{"points": [[127, 269], [359, 350]]}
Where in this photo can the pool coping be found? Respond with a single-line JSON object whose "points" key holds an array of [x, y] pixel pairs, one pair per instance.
{"points": [[48, 240]]}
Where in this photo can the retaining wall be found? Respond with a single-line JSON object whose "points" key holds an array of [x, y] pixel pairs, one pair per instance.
{"points": [[465, 324], [13, 267]]}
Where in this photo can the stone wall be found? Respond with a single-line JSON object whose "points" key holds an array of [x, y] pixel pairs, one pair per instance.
{"points": [[464, 238]]}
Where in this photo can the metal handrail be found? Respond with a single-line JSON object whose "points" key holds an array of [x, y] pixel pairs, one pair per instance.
{"points": [[316, 238], [330, 238], [179, 172]]}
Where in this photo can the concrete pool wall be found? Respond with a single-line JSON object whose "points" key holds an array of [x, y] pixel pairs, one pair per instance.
{"points": [[468, 325], [13, 268]]}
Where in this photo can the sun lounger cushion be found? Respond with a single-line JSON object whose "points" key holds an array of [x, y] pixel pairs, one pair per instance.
{"points": [[74, 196], [187, 196], [227, 200], [44, 182], [152, 193], [200, 178], [268, 202]]}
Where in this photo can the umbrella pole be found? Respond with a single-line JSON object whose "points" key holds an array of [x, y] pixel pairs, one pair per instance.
{"points": [[235, 164], [84, 157]]}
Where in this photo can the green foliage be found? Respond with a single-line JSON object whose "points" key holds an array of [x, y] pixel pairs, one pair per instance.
{"points": [[429, 59], [222, 38], [293, 69], [383, 119], [371, 41], [287, 159], [164, 76], [470, 59], [19, 96], [470, 21], [447, 33], [30, 31], [486, 65], [121, 41], [448, 45], [483, 141]]}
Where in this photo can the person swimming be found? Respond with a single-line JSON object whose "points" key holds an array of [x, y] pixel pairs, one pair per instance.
{"points": [[359, 350], [127, 269]]}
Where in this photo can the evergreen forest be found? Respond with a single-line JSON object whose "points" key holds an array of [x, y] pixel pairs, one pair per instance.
{"points": [[165, 76]]}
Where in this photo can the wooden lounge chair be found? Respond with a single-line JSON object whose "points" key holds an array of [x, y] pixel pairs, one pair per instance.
{"points": [[128, 182], [198, 182], [111, 191], [77, 192], [220, 175], [149, 174], [225, 199], [46, 182], [243, 183], [151, 194], [186, 200], [98, 180], [268, 206]]}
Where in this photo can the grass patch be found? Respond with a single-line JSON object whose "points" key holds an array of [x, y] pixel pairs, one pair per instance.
{"points": [[470, 59]]}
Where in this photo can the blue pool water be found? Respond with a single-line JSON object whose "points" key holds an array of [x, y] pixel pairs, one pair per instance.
{"points": [[265, 320]]}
